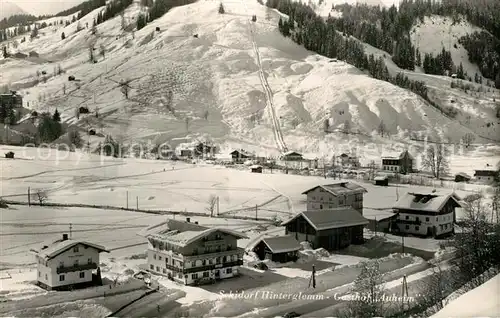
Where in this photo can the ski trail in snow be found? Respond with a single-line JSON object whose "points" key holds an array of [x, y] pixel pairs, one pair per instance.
{"points": [[280, 142]]}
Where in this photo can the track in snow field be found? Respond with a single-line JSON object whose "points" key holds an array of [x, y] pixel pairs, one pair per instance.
{"points": [[280, 142]]}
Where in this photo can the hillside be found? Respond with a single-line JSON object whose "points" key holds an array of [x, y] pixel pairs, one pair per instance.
{"points": [[8, 9], [216, 88]]}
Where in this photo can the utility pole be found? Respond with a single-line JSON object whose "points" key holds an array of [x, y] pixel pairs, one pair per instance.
{"points": [[217, 205], [70, 230], [375, 226], [127, 199], [312, 281], [29, 197], [137, 203], [256, 210], [403, 243], [404, 293]]}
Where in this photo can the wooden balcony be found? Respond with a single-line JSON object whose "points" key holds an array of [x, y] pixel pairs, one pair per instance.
{"points": [[203, 268], [75, 268], [221, 253]]}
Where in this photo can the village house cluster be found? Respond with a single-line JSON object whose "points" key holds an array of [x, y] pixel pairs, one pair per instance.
{"points": [[191, 254]]}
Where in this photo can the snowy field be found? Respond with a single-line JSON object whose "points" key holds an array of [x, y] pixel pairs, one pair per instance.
{"points": [[78, 178]]}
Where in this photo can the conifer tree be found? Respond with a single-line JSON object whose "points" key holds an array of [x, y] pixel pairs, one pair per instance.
{"points": [[221, 9]]}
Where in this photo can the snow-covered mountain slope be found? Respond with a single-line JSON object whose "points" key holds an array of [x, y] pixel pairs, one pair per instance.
{"points": [[438, 32], [486, 298], [8, 9], [216, 75]]}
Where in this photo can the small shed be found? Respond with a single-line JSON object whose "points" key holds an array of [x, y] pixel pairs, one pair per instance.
{"points": [[382, 181], [9, 155], [256, 169], [280, 249], [462, 177]]}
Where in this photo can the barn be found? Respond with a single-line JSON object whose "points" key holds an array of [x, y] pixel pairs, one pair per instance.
{"points": [[280, 249]]}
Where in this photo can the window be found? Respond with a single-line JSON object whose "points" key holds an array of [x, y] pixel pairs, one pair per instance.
{"points": [[314, 198], [437, 219], [195, 251], [75, 263], [39, 274], [341, 202], [210, 261], [61, 278], [194, 276], [407, 227], [321, 206], [75, 249], [193, 264], [154, 256], [224, 259], [151, 267], [330, 206], [89, 260], [426, 219], [82, 274], [164, 271], [229, 270], [229, 247], [46, 277], [206, 274], [204, 262], [416, 228], [158, 269], [159, 258], [61, 264], [217, 260]]}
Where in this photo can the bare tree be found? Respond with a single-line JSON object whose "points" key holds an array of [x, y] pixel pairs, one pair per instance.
{"points": [[187, 124], [347, 127], [124, 87], [169, 102], [382, 129], [435, 288], [468, 139], [435, 159], [77, 113], [368, 285], [212, 204], [103, 51], [40, 195], [371, 170], [91, 54], [75, 138]]}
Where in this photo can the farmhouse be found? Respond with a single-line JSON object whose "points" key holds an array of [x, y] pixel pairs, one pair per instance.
{"points": [[486, 176], [68, 263], [341, 194], [204, 150], [280, 249], [401, 164], [462, 177], [192, 254], [239, 156], [11, 100], [426, 214], [292, 156], [331, 229], [349, 161]]}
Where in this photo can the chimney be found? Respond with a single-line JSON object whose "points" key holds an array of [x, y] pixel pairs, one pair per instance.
{"points": [[188, 220], [65, 237]]}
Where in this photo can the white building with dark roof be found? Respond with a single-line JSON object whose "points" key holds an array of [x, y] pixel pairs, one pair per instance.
{"points": [[67, 263], [340, 194], [426, 214], [192, 254]]}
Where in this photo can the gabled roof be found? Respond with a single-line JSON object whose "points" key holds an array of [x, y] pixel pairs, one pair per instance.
{"points": [[381, 178], [339, 188], [399, 156], [288, 153], [331, 218], [62, 246], [486, 172], [428, 202], [241, 152], [183, 233], [281, 244], [463, 174]]}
